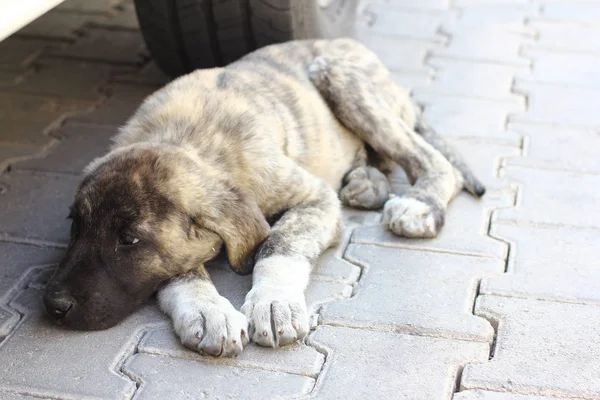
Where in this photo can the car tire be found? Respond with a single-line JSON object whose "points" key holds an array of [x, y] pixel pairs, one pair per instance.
{"points": [[183, 35]]}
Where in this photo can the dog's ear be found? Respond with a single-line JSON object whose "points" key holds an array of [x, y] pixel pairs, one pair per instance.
{"points": [[236, 218]]}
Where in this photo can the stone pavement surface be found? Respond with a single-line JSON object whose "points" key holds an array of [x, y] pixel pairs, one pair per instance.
{"points": [[503, 305]]}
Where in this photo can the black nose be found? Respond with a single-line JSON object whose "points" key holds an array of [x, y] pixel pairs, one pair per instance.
{"points": [[58, 304]]}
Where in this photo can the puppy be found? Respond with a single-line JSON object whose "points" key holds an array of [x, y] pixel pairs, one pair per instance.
{"points": [[287, 131]]}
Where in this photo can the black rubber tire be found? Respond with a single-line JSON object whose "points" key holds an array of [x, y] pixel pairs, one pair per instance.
{"points": [[183, 35]]}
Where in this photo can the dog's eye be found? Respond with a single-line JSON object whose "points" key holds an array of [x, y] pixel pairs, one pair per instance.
{"points": [[128, 239]]}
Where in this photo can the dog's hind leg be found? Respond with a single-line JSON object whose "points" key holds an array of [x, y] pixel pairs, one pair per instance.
{"points": [[365, 187], [360, 92]]}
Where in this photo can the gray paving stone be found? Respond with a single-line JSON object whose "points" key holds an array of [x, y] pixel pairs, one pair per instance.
{"points": [[415, 292], [485, 395], [474, 45], [405, 24], [56, 25], [79, 145], [485, 158], [478, 80], [297, 359], [150, 74], [425, 5], [122, 102], [15, 396], [462, 3], [583, 13], [467, 117], [399, 55], [88, 6], [123, 16], [27, 119], [410, 81], [45, 360], [549, 197], [27, 194], [9, 78], [353, 217], [10, 152], [8, 320], [332, 267], [561, 342], [106, 45], [567, 37], [16, 262], [558, 148], [68, 78], [18, 54], [557, 264], [558, 105], [390, 365], [574, 70], [173, 378], [501, 15]]}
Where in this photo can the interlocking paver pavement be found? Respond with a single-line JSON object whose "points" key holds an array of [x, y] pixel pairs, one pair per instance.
{"points": [[40, 357], [476, 80], [561, 342], [388, 295], [78, 144], [175, 378], [366, 364], [567, 37], [560, 264], [558, 148], [30, 192], [485, 395], [107, 45], [554, 197], [503, 305], [552, 105]]}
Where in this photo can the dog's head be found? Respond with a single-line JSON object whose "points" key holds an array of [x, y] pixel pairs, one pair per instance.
{"points": [[142, 215]]}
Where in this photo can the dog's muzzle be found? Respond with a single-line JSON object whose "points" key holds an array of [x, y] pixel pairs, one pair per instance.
{"points": [[58, 304]]}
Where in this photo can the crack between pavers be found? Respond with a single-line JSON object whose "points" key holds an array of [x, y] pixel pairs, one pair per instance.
{"points": [[35, 242], [540, 167], [536, 392], [45, 395], [494, 320], [310, 342], [403, 330], [48, 131], [7, 165], [23, 283], [527, 296], [91, 60], [429, 249]]}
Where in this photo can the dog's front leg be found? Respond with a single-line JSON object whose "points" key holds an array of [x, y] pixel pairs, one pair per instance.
{"points": [[276, 307], [204, 320]]}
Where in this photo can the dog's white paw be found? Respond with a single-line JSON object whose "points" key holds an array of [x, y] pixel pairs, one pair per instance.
{"points": [[213, 327], [277, 316], [412, 218]]}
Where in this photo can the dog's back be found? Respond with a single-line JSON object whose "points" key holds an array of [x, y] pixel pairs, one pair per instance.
{"points": [[264, 102]]}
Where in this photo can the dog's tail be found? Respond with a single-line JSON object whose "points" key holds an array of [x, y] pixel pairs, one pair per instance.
{"points": [[471, 183]]}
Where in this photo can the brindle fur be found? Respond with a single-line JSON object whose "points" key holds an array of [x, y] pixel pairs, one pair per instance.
{"points": [[208, 159]]}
